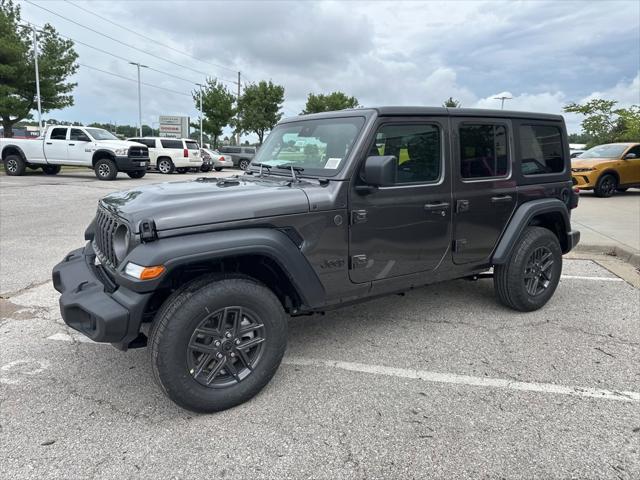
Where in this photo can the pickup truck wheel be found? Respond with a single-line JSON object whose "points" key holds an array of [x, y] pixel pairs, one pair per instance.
{"points": [[137, 173], [106, 169], [14, 165], [217, 341], [165, 165], [606, 186], [243, 164], [51, 169], [218, 169], [532, 273]]}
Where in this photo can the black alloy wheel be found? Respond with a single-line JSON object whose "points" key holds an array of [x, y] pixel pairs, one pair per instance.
{"points": [[606, 186], [538, 272]]}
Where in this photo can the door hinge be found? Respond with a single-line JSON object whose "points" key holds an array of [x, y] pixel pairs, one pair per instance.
{"points": [[358, 261], [459, 244], [462, 206], [358, 216]]}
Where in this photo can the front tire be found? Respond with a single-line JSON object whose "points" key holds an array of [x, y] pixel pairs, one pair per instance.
{"points": [[216, 342], [51, 169], [606, 186], [532, 273], [14, 165], [165, 165], [105, 169], [137, 174]]}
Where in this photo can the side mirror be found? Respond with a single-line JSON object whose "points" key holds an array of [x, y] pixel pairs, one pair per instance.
{"points": [[381, 171], [629, 156]]}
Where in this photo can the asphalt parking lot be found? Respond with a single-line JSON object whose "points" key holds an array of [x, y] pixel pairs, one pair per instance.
{"points": [[442, 382]]}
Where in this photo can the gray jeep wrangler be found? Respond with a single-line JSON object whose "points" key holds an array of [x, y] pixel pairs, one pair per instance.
{"points": [[336, 208]]}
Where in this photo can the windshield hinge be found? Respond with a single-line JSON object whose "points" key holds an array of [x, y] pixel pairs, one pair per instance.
{"points": [[148, 231]]}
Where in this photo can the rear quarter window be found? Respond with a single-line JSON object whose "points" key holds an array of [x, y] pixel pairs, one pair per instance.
{"points": [[541, 149], [192, 146], [172, 144]]}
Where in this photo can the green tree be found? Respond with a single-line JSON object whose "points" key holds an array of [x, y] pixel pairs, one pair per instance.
{"points": [[327, 103], [259, 108], [628, 127], [451, 103], [217, 106], [600, 119], [56, 62]]}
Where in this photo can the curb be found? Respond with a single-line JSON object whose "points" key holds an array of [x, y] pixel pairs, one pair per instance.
{"points": [[624, 254]]}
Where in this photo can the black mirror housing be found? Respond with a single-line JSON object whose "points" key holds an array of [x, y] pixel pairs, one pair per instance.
{"points": [[381, 171]]}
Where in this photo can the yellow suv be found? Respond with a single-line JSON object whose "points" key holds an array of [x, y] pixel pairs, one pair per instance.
{"points": [[607, 168]]}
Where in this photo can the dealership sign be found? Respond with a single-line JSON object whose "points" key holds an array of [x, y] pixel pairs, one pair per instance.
{"points": [[173, 126]]}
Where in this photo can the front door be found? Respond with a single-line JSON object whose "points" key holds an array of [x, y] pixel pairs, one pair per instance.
{"points": [[404, 228], [79, 147], [55, 147], [630, 167], [485, 191]]}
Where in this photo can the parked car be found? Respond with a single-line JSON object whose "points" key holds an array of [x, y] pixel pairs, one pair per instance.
{"points": [[172, 154], [336, 222], [608, 168], [219, 160], [241, 156], [90, 147]]}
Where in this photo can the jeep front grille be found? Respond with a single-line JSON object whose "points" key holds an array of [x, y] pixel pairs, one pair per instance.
{"points": [[106, 225]]}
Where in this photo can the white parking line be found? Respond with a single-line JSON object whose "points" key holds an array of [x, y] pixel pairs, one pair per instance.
{"points": [[580, 277], [465, 379]]}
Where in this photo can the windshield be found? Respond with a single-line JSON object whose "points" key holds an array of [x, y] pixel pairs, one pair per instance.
{"points": [[604, 151], [318, 146], [101, 134]]}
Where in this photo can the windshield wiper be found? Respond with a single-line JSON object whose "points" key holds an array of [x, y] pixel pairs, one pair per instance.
{"points": [[268, 167], [293, 169]]}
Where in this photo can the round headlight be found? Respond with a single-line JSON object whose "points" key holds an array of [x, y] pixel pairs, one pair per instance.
{"points": [[121, 242]]}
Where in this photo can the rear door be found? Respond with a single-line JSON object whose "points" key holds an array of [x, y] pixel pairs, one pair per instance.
{"points": [[79, 147], [55, 146], [404, 228], [485, 193]]}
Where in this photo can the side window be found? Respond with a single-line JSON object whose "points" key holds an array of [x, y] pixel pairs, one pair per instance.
{"points": [[483, 151], [635, 150], [541, 149], [172, 144], [78, 135], [417, 148], [59, 134]]}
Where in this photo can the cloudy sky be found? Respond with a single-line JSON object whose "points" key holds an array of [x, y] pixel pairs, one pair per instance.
{"points": [[543, 54]]}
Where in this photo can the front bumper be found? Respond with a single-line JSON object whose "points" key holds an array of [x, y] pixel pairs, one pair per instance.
{"points": [[132, 164], [87, 305], [584, 180]]}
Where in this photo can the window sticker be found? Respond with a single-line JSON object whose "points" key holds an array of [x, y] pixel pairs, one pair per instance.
{"points": [[333, 163]]}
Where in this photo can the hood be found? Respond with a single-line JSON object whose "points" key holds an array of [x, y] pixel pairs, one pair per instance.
{"points": [[118, 143], [206, 201], [590, 162]]}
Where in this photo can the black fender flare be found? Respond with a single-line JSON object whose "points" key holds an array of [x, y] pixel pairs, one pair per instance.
{"points": [[178, 251], [102, 153], [521, 219], [14, 147]]}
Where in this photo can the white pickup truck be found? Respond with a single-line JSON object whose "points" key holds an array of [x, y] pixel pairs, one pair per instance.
{"points": [[90, 147]]}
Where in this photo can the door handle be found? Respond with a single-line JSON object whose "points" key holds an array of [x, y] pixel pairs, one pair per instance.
{"points": [[49, 143], [71, 144], [501, 199], [439, 208]]}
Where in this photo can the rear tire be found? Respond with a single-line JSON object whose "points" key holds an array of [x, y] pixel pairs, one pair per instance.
{"points": [[14, 165], [137, 173], [218, 169], [51, 169], [165, 165], [532, 273], [105, 169], [205, 168], [243, 164], [196, 364], [606, 186]]}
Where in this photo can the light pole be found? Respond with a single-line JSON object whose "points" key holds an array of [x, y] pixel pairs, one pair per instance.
{"points": [[139, 97], [502, 99], [201, 114], [35, 56]]}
